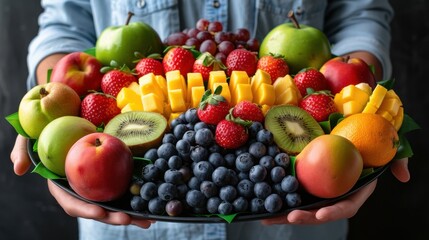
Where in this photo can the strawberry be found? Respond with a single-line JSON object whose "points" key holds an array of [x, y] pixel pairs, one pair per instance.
{"points": [[310, 78], [273, 64], [99, 108], [231, 133], [116, 78], [178, 58], [242, 60], [247, 110], [206, 63], [319, 104], [213, 107], [150, 64]]}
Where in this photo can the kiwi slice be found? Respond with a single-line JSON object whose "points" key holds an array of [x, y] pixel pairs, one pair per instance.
{"points": [[292, 127], [139, 130]]}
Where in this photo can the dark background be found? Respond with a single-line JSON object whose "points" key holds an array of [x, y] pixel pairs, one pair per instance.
{"points": [[394, 211]]}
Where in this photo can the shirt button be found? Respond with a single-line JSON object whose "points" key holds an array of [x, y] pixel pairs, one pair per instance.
{"points": [[141, 3], [216, 4]]}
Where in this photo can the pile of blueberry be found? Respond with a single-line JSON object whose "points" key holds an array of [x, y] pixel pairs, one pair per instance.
{"points": [[190, 173]]}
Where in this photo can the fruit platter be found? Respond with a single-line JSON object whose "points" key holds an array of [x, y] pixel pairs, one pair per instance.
{"points": [[211, 126]]}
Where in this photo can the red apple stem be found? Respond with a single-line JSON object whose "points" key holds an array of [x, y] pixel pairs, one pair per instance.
{"points": [[97, 142], [346, 58], [130, 14], [292, 17], [43, 92]]}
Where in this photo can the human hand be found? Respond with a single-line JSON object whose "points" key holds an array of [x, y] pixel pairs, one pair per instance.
{"points": [[19, 157], [78, 208]]}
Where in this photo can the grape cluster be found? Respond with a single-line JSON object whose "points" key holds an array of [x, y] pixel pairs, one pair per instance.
{"points": [[209, 37], [190, 173]]}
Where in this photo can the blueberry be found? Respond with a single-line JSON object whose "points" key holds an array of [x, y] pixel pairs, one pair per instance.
{"points": [[200, 125], [150, 173], [257, 173], [175, 162], [245, 188], [240, 204], [254, 129], [182, 117], [194, 183], [189, 136], [243, 175], [289, 184], [230, 159], [148, 191], [135, 186], [273, 203], [257, 149], [216, 159], [174, 208], [213, 204], [191, 116], [186, 173], [244, 162], [138, 203], [228, 193], [182, 189], [179, 130], [161, 164], [257, 205], [166, 150], [220, 176], [209, 189], [242, 149], [199, 153], [282, 159], [233, 177], [264, 136], [204, 137], [262, 190], [293, 199], [157, 206], [267, 161], [169, 138], [203, 170], [167, 191], [173, 176], [277, 188], [273, 150], [195, 199], [176, 122], [215, 148], [277, 174], [225, 208], [151, 154], [183, 147]]}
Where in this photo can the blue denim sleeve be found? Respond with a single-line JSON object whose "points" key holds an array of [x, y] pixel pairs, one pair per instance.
{"points": [[361, 26], [65, 26]]}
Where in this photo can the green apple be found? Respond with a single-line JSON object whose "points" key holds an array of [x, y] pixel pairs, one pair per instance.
{"points": [[302, 46], [58, 137], [44, 103], [119, 43]]}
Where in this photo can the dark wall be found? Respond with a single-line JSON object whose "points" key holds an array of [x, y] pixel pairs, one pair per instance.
{"points": [[394, 211]]}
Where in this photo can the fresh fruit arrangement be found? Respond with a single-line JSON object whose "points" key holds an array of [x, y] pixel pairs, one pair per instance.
{"points": [[211, 124]]}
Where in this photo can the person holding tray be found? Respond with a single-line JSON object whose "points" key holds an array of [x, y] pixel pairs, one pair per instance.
{"points": [[356, 28]]}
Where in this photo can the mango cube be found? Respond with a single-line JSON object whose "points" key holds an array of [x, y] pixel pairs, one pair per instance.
{"points": [[238, 77], [242, 92], [216, 77], [152, 103], [258, 79], [193, 80], [162, 83], [125, 96], [135, 87], [132, 106], [289, 96], [177, 100], [265, 95], [148, 84], [197, 93]]}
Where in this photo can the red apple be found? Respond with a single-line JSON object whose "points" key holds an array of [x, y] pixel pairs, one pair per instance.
{"points": [[329, 166], [99, 167], [343, 71], [79, 70]]}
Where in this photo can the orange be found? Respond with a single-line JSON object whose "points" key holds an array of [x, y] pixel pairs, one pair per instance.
{"points": [[374, 137]]}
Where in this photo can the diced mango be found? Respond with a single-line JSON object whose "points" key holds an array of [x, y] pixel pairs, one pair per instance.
{"points": [[385, 114], [390, 105], [258, 79], [369, 108], [242, 92], [391, 94], [238, 77], [197, 93], [125, 96], [193, 80], [174, 80], [364, 87], [375, 99], [132, 106], [225, 90], [265, 94], [265, 108], [177, 100], [162, 83], [398, 119], [152, 103], [148, 84], [289, 96], [351, 107], [351, 100], [216, 77], [135, 87]]}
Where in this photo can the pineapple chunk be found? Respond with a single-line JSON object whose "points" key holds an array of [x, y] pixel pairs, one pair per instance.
{"points": [[242, 92], [197, 93], [265, 94], [177, 100], [125, 96], [152, 103], [238, 77], [216, 77], [225, 90]]}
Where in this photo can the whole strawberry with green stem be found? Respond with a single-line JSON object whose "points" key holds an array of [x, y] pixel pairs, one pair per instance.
{"points": [[318, 104], [275, 65], [206, 63], [178, 58], [231, 132], [310, 78], [247, 110], [241, 60], [115, 78], [213, 107], [150, 64], [99, 108]]}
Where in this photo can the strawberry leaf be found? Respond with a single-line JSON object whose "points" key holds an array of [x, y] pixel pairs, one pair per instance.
{"points": [[13, 120]]}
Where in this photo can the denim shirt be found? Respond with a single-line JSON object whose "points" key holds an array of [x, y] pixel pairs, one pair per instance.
{"points": [[73, 25]]}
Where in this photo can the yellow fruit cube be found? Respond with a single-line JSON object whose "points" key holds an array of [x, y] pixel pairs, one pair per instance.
{"points": [[238, 77], [391, 94], [125, 96], [289, 96], [385, 114], [174, 80], [225, 90], [176, 100], [193, 80], [152, 103], [351, 107], [265, 94], [162, 83], [351, 100], [265, 108], [398, 119], [197, 93], [167, 110], [135, 87], [218, 76], [390, 105], [286, 85], [148, 84], [376, 98], [258, 79], [132, 106], [242, 92]]}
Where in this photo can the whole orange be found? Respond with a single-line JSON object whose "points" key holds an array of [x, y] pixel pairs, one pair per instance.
{"points": [[374, 137]]}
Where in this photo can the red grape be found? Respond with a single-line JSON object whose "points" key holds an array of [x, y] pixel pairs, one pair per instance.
{"points": [[208, 46], [178, 38], [202, 24], [242, 34], [192, 32], [215, 26], [193, 42], [204, 35], [225, 47], [253, 44]]}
